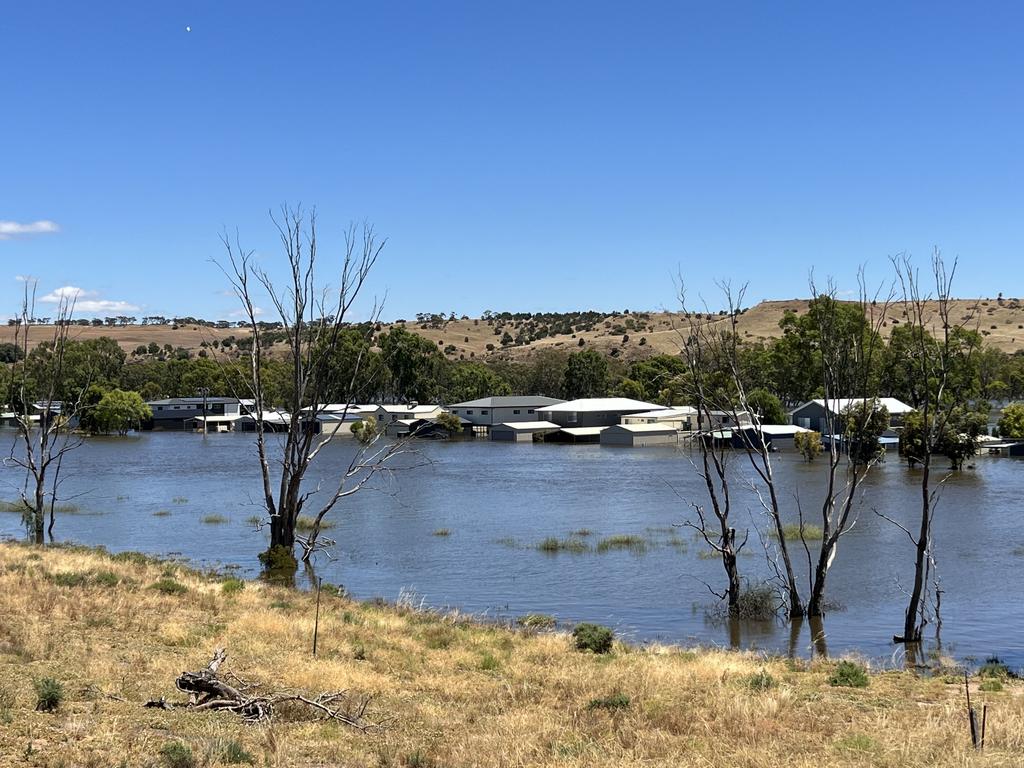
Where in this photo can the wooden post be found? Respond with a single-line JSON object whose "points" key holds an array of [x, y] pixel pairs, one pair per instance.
{"points": [[970, 713], [316, 621]]}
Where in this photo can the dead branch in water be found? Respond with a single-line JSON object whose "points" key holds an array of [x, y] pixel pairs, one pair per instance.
{"points": [[207, 690]]}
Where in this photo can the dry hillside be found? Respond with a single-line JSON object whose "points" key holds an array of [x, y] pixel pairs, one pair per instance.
{"points": [[627, 336]]}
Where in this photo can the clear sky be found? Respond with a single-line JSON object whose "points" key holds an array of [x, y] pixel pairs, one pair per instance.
{"points": [[520, 156]]}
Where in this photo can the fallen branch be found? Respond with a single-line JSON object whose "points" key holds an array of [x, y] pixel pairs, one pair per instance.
{"points": [[207, 690]]}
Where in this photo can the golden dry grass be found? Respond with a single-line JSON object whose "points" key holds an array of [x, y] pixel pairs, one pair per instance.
{"points": [[115, 646], [1001, 322]]}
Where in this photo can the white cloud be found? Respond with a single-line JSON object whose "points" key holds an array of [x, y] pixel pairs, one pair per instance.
{"points": [[9, 229], [85, 304], [241, 313]]}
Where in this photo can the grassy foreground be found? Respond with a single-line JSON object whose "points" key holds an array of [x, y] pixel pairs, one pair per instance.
{"points": [[458, 693]]}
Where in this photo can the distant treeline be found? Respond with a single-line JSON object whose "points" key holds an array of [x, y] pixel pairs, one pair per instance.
{"points": [[369, 364]]}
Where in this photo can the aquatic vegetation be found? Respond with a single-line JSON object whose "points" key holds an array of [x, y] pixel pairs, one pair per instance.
{"points": [[214, 519], [635, 544], [554, 545], [442, 532], [179, 500], [162, 513], [792, 532], [305, 524], [537, 621]]}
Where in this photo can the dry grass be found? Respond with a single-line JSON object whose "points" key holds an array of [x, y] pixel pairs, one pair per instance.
{"points": [[461, 694], [1001, 322]]}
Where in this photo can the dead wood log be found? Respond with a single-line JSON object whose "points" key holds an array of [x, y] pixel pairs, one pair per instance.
{"points": [[208, 691]]}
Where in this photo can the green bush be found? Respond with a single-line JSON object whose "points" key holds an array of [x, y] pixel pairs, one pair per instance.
{"points": [[613, 702], [49, 694], [232, 752], [70, 579], [991, 685], [169, 586], [760, 681], [232, 586], [177, 755], [849, 674], [757, 603], [994, 667], [592, 637], [107, 579], [489, 663]]}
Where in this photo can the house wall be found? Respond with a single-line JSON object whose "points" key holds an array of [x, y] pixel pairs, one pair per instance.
{"points": [[810, 416], [485, 417], [614, 436]]}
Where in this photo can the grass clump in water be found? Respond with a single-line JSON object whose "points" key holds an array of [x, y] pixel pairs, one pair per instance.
{"points": [[792, 532], [553, 545], [305, 524], [757, 603], [635, 544], [162, 513], [442, 532], [214, 519], [179, 500], [849, 674]]}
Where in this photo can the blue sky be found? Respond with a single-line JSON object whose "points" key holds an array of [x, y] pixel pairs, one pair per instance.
{"points": [[524, 156]]}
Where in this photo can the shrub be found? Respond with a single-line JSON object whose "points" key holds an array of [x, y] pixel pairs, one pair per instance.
{"points": [[808, 444], [488, 662], [70, 579], [232, 752], [760, 681], [615, 701], [49, 694], [107, 579], [991, 685], [177, 755], [169, 586], [994, 667], [592, 637], [757, 603], [232, 586], [849, 674], [537, 621]]}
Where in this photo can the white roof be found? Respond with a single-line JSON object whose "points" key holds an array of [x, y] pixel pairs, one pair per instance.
{"points": [[526, 426], [583, 431], [598, 404], [656, 428], [342, 407], [840, 404], [678, 412], [270, 417], [781, 429], [218, 419]]}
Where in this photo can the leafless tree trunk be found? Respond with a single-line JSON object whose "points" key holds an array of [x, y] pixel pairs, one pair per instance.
{"points": [[313, 317], [847, 372], [938, 345], [43, 417]]}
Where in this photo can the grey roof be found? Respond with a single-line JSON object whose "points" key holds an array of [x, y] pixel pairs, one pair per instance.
{"points": [[515, 401], [197, 401]]}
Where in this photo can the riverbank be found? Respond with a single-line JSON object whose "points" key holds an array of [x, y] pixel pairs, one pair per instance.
{"points": [[116, 632]]}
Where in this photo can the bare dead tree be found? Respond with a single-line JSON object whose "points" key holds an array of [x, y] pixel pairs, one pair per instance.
{"points": [[939, 345], [44, 412], [711, 347], [313, 317]]}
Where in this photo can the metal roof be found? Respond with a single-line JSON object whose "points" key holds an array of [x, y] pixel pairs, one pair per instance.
{"points": [[599, 404], [513, 401], [676, 412], [647, 428], [526, 426], [839, 404], [196, 401], [583, 431]]}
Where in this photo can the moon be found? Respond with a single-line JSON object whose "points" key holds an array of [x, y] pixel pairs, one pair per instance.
{"points": [[188, 29]]}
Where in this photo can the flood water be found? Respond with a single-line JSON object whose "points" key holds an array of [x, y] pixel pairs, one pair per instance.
{"points": [[499, 500]]}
